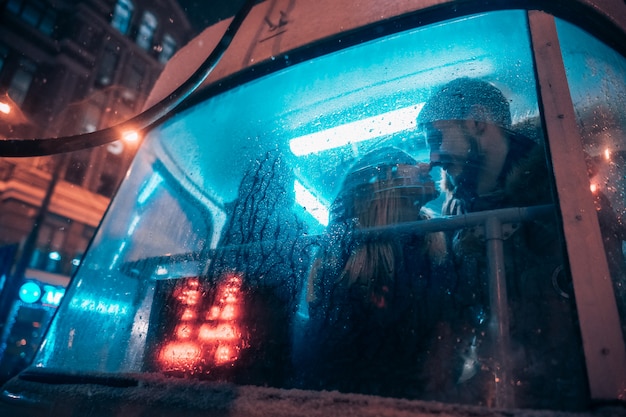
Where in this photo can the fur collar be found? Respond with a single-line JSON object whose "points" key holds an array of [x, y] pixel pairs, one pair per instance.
{"points": [[527, 182]]}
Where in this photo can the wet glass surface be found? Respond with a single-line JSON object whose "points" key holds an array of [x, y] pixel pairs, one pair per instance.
{"points": [[596, 77], [297, 239]]}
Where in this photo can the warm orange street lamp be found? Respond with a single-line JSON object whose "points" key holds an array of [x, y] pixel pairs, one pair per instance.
{"points": [[10, 112], [5, 108], [11, 116], [131, 136]]}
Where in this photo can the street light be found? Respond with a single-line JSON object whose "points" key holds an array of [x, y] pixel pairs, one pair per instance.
{"points": [[130, 136], [11, 116], [5, 108]]}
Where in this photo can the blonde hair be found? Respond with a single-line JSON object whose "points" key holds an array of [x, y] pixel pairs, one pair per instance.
{"points": [[386, 187], [374, 261]]}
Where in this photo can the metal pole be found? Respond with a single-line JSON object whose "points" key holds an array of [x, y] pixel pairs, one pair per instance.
{"points": [[499, 316]]}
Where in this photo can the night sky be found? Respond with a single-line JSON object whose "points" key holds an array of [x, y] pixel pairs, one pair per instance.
{"points": [[204, 13]]}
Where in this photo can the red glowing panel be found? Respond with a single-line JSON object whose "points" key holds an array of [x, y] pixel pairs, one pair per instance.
{"points": [[225, 354], [214, 313], [226, 332], [230, 297], [188, 314], [180, 355], [234, 279], [229, 312], [190, 297], [212, 338], [189, 294], [184, 331], [215, 333]]}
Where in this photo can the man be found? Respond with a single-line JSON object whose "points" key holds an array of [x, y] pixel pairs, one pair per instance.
{"points": [[488, 165], [468, 128]]}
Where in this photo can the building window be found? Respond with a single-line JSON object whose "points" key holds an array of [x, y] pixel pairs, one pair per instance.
{"points": [[110, 176], [92, 115], [107, 185], [78, 166], [15, 6], [108, 64], [35, 13], [133, 81], [146, 30], [121, 15], [168, 47], [21, 81]]}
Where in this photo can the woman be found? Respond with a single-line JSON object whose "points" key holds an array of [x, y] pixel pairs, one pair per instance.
{"points": [[372, 298]]}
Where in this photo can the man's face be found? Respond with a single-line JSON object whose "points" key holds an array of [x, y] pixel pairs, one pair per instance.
{"points": [[452, 148]]}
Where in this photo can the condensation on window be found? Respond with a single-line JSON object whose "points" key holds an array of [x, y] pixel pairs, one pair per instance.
{"points": [[597, 80], [289, 232]]}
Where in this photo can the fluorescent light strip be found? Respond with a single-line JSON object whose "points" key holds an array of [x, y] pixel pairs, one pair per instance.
{"points": [[149, 188], [310, 203], [359, 131]]}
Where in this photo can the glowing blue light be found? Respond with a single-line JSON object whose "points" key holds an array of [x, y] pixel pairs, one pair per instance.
{"points": [[117, 255], [149, 189], [55, 256], [52, 295], [30, 292], [310, 203], [133, 225], [359, 131], [101, 306]]}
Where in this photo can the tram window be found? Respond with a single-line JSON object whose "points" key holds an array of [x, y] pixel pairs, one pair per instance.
{"points": [[596, 75], [289, 232]]}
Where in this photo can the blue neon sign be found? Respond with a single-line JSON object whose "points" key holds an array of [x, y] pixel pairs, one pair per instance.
{"points": [[30, 292]]}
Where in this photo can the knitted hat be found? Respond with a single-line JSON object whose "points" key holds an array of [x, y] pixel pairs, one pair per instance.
{"points": [[454, 101]]}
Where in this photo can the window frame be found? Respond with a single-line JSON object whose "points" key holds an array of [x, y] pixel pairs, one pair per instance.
{"points": [[599, 321], [605, 356]]}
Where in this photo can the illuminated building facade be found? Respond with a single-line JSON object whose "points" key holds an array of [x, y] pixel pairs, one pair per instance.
{"points": [[67, 67]]}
